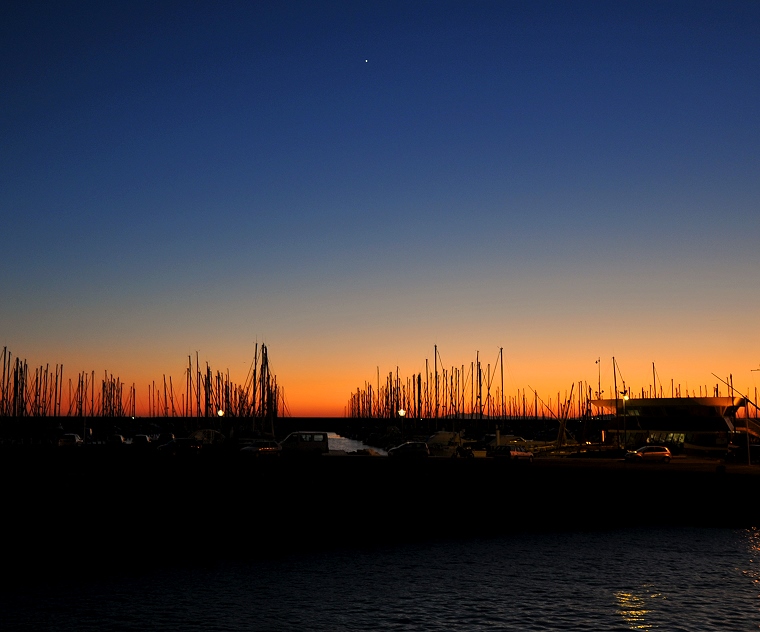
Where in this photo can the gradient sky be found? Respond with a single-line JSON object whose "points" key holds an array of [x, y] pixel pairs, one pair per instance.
{"points": [[354, 182]]}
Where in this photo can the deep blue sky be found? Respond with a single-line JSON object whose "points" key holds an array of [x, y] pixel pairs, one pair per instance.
{"points": [[169, 169]]}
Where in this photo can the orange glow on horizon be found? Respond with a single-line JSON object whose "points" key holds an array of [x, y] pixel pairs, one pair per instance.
{"points": [[318, 384]]}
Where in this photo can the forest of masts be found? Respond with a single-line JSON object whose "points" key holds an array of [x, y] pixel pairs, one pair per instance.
{"points": [[43, 392], [477, 391]]}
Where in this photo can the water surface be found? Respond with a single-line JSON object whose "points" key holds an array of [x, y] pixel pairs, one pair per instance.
{"points": [[649, 579]]}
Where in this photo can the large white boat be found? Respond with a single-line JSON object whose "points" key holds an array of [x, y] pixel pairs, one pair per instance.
{"points": [[694, 424]]}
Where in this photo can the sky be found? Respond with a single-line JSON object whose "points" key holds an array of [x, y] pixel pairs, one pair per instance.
{"points": [[353, 183]]}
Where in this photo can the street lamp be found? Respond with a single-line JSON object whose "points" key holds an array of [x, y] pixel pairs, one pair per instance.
{"points": [[599, 384], [624, 393], [600, 415]]}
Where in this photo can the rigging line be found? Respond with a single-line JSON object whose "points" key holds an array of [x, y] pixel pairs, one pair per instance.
{"points": [[535, 392], [619, 371], [736, 390], [658, 376]]}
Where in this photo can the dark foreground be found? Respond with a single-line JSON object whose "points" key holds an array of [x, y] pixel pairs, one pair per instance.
{"points": [[66, 514]]}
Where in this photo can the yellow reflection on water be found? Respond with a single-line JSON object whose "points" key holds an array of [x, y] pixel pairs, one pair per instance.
{"points": [[633, 610], [754, 539], [752, 572]]}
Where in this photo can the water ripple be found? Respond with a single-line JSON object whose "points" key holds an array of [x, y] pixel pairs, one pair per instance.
{"points": [[680, 579]]}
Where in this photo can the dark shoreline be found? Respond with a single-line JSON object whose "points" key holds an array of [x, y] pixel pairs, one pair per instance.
{"points": [[80, 513]]}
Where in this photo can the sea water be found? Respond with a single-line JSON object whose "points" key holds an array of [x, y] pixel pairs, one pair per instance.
{"points": [[344, 444], [647, 579]]}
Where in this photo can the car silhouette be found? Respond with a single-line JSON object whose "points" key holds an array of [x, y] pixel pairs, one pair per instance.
{"points": [[511, 452], [180, 447], [261, 448], [410, 450], [141, 441], [70, 440], [657, 453]]}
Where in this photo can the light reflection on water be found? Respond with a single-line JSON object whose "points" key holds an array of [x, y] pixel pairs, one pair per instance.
{"points": [[657, 579], [336, 442], [633, 610]]}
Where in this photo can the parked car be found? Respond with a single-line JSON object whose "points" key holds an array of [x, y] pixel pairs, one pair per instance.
{"points": [[444, 443], [410, 450], [658, 453], [208, 437], [115, 440], [463, 452], [511, 452], [70, 440], [141, 441], [305, 442], [181, 447], [261, 448]]}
